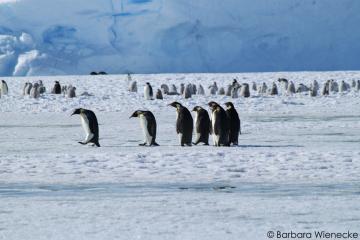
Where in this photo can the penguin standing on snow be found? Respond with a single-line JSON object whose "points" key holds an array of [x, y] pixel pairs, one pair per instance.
{"points": [[4, 88], [148, 92], [90, 125], [57, 88], [148, 125], [202, 125], [184, 124], [219, 125], [234, 123]]}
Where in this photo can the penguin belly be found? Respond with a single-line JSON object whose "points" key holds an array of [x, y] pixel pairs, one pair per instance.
{"points": [[144, 123], [215, 138], [147, 93], [86, 127], [197, 134]]}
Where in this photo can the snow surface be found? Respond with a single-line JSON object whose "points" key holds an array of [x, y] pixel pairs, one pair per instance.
{"points": [[297, 166], [152, 36]]}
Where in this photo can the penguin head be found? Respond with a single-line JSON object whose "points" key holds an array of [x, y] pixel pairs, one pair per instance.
{"points": [[213, 105], [175, 105], [197, 109], [137, 113], [229, 105], [77, 111]]}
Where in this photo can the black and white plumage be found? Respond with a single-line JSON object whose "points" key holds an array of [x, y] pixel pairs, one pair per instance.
{"points": [[35, 91], [90, 125], [213, 88], [165, 88], [57, 88], [148, 92], [245, 90], [262, 89], [182, 88], [4, 88], [201, 90], [187, 93], [42, 88], [219, 127], [159, 95], [326, 88], [184, 124], [202, 125], [291, 88], [234, 123], [274, 90], [148, 125], [302, 88]]}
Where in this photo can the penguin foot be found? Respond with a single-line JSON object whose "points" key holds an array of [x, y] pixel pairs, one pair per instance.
{"points": [[154, 144], [82, 143], [142, 144]]}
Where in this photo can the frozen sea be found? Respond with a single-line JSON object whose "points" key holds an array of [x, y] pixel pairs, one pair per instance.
{"points": [[296, 168]]}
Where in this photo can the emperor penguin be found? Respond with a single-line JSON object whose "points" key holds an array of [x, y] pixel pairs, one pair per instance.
{"points": [[188, 91], [313, 90], [148, 125], [133, 86], [213, 89], [35, 92], [357, 85], [4, 88], [194, 89], [284, 82], [42, 88], [229, 90], [221, 91], [274, 90], [333, 86], [326, 88], [343, 87], [219, 126], [234, 123], [291, 88], [253, 86], [353, 83], [182, 88], [57, 88], [315, 85], [234, 92], [263, 88], [148, 92], [159, 94], [201, 90], [165, 88], [202, 125], [184, 124], [28, 88], [245, 90], [90, 125], [173, 89], [71, 92], [25, 88], [302, 88]]}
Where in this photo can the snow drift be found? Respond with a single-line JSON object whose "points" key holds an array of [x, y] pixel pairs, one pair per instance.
{"points": [[142, 36]]}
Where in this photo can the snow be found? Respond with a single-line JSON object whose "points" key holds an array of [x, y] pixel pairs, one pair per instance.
{"points": [[154, 36], [297, 166]]}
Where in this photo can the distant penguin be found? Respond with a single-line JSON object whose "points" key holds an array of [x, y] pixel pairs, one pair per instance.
{"points": [[57, 88], [274, 90], [357, 85], [291, 88], [25, 88], [71, 92], [201, 90], [148, 92], [148, 125], [35, 92], [159, 94], [221, 91], [284, 82], [165, 88], [333, 86], [202, 125], [315, 85], [187, 91], [194, 89], [263, 88], [254, 87], [28, 88], [213, 89], [173, 90], [42, 88], [234, 92], [343, 87], [184, 124], [129, 78], [102, 73], [326, 88], [234, 123], [353, 83], [235, 84], [90, 125], [219, 125], [312, 91], [182, 88], [4, 88], [93, 73], [245, 90], [229, 90], [302, 88], [133, 86], [64, 89]]}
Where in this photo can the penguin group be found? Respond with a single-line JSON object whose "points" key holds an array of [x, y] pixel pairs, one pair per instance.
{"points": [[224, 125], [36, 89]]}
